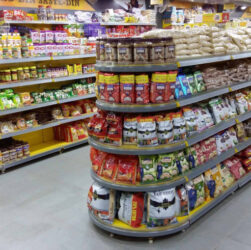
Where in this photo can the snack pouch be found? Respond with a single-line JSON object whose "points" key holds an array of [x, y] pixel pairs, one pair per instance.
{"points": [[103, 95], [192, 195], [240, 132], [127, 88], [210, 185], [183, 197], [112, 86], [191, 121], [166, 167], [147, 168], [127, 169], [217, 178], [164, 129], [235, 167], [142, 89], [200, 85], [191, 84], [130, 130], [131, 208], [181, 162], [184, 85], [97, 159], [241, 103], [179, 126], [110, 167], [178, 93], [200, 119], [158, 87], [114, 133], [146, 131], [192, 157], [206, 116], [161, 208], [199, 186], [226, 176], [171, 81], [101, 202]]}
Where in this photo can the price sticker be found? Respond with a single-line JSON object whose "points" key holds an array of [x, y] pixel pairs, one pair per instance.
{"points": [[178, 64], [186, 178], [52, 58], [177, 104], [186, 143], [236, 150], [237, 121], [58, 101], [230, 89], [53, 80]]}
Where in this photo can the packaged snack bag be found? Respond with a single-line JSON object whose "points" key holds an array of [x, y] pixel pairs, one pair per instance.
{"points": [[191, 121], [210, 185], [161, 208], [148, 168], [131, 208], [240, 132], [179, 126], [199, 186], [231, 137], [217, 177], [146, 131], [101, 202], [226, 176], [164, 129], [158, 87], [110, 167], [192, 157], [235, 167], [178, 93], [200, 85], [112, 86], [142, 89], [218, 110], [114, 132], [200, 119], [166, 167], [184, 85], [127, 88], [241, 103], [130, 130], [102, 87], [183, 197], [181, 162], [191, 83], [171, 81], [97, 159], [127, 169], [206, 115], [192, 195]]}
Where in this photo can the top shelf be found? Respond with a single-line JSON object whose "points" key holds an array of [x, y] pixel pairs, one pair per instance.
{"points": [[126, 24], [51, 22]]}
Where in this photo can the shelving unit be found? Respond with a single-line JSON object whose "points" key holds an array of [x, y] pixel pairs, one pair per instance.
{"points": [[120, 228], [126, 24]]}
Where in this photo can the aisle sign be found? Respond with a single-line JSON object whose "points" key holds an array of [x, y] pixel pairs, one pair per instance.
{"points": [[55, 4], [229, 6]]}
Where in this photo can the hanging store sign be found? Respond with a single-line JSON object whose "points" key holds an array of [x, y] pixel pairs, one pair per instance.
{"points": [[55, 4]]}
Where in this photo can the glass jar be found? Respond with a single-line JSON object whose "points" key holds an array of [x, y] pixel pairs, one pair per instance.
{"points": [[44, 70], [14, 76], [40, 73], [33, 72], [20, 74], [19, 150], [124, 50], [26, 149], [111, 50], [140, 50], [157, 51], [25, 51], [169, 50], [27, 75], [7, 74]]}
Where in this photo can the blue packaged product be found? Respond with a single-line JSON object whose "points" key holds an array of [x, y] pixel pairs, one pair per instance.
{"points": [[184, 85]]}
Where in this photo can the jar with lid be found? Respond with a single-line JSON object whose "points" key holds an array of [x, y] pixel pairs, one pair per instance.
{"points": [[19, 150], [27, 75], [20, 74], [169, 50], [102, 49], [14, 76], [25, 51], [7, 74], [111, 50], [26, 149], [124, 50], [40, 73], [42, 15], [44, 70], [141, 50], [33, 72], [157, 51]]}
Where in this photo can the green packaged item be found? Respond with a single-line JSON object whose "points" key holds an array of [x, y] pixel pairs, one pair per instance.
{"points": [[200, 85], [192, 157], [8, 91], [198, 183], [191, 84], [148, 171], [3, 102], [181, 162], [37, 97], [166, 167], [16, 100]]}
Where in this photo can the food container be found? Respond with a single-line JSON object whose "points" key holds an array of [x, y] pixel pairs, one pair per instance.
{"points": [[111, 50], [7, 75], [27, 75], [33, 72], [157, 51], [124, 51], [14, 76], [169, 50], [102, 49], [20, 74], [141, 50]]}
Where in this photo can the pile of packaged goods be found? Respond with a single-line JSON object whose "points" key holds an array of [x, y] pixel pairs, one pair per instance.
{"points": [[71, 132], [126, 31], [9, 99], [34, 43], [159, 168], [163, 208], [43, 72], [137, 50], [13, 150], [245, 157], [42, 116], [164, 128], [205, 41]]}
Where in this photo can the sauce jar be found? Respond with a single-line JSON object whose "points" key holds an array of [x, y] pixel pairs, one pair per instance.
{"points": [[40, 73], [20, 74], [124, 50], [157, 51], [14, 76], [27, 75], [7, 74], [33, 72], [140, 50]]}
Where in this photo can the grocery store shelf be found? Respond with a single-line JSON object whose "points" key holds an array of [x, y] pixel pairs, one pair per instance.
{"points": [[48, 125], [45, 104], [42, 81], [144, 108], [120, 228], [45, 149], [109, 67], [244, 180], [125, 24], [168, 148], [38, 22], [182, 179], [45, 58]]}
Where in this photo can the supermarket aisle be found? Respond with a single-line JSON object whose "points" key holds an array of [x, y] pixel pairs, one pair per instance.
{"points": [[43, 206]]}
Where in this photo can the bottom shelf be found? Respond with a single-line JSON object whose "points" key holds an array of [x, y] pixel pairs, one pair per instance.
{"points": [[121, 228], [44, 149]]}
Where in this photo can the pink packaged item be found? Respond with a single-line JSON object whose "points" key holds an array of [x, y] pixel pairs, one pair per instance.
{"points": [[35, 37], [49, 36], [235, 167], [42, 36]]}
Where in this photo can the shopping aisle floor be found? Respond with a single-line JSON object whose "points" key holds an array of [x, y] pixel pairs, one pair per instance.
{"points": [[43, 207]]}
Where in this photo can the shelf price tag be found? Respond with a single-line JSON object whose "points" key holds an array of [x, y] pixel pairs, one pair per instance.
{"points": [[178, 64], [186, 143], [52, 58], [231, 57], [236, 150], [186, 178], [230, 89], [58, 101], [237, 121], [53, 80], [177, 104]]}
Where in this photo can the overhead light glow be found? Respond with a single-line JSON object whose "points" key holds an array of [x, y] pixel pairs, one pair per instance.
{"points": [[243, 7]]}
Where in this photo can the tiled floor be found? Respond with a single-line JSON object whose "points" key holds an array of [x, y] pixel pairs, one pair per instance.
{"points": [[43, 207]]}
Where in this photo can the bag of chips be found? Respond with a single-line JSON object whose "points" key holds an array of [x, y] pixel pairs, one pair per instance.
{"points": [[191, 121], [164, 129], [226, 176], [146, 131], [110, 167], [183, 197], [127, 88], [112, 87], [192, 157], [161, 208], [181, 162], [131, 208], [192, 195], [191, 84], [179, 126], [114, 133], [142, 89], [198, 183], [130, 130], [97, 159], [235, 167], [148, 167], [171, 81], [158, 87], [200, 85]]}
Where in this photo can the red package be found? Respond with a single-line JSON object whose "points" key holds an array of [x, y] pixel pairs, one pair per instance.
{"points": [[7, 15], [127, 169], [235, 167], [170, 89], [97, 159], [102, 87], [110, 167], [142, 89], [112, 87], [127, 88], [158, 87], [114, 134]]}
